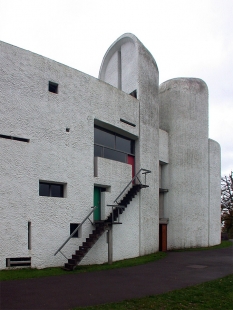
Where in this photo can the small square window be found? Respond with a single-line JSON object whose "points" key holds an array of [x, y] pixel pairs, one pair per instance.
{"points": [[51, 189], [73, 226], [53, 87]]}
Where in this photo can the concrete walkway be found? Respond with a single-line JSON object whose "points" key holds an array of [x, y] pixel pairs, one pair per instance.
{"points": [[177, 270]]}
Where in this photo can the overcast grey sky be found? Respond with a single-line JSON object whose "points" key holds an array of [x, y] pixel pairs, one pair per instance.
{"points": [[188, 38]]}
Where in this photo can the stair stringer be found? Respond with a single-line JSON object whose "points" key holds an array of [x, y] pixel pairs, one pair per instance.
{"points": [[100, 228]]}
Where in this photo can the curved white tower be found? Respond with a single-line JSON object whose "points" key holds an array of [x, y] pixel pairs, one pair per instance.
{"points": [[184, 115], [129, 66]]}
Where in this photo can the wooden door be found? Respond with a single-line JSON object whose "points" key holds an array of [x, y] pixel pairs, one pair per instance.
{"points": [[163, 237]]}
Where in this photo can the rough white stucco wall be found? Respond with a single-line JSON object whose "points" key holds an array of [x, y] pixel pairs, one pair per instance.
{"points": [[163, 146], [214, 193], [111, 73], [148, 148], [143, 71], [128, 67], [28, 110], [125, 235], [184, 115]]}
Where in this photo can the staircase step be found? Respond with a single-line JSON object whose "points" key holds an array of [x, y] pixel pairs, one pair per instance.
{"points": [[72, 261], [69, 267], [78, 253], [88, 244], [77, 257], [101, 226], [84, 247]]}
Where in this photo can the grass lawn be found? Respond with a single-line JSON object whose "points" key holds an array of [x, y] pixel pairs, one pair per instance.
{"points": [[25, 273], [223, 244], [217, 294]]}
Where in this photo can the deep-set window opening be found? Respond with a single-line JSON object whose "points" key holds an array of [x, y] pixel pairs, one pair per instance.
{"points": [[127, 122], [73, 226], [14, 138], [53, 87], [51, 189], [110, 145], [18, 262]]}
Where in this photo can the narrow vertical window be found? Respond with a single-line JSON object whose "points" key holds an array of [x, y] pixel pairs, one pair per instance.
{"points": [[29, 236]]}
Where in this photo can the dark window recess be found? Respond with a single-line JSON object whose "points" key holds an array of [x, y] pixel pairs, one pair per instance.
{"points": [[53, 87], [14, 138], [73, 226], [105, 138], [98, 151], [124, 145], [115, 155], [127, 122], [18, 262], [29, 235], [134, 93], [110, 145], [51, 189]]}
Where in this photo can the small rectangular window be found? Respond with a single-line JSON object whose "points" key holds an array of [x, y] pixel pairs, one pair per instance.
{"points": [[73, 226], [51, 189], [53, 87], [18, 262]]}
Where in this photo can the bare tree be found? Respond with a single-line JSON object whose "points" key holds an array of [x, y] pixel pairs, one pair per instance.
{"points": [[227, 204]]}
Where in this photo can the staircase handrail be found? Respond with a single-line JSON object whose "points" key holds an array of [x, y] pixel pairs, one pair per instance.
{"points": [[76, 229], [145, 171]]}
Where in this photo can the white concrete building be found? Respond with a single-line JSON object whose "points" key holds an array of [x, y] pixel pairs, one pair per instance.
{"points": [[69, 141]]}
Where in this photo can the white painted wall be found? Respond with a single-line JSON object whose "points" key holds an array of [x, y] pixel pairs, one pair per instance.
{"points": [[125, 235], [28, 110], [140, 72], [163, 146], [184, 115], [214, 193]]}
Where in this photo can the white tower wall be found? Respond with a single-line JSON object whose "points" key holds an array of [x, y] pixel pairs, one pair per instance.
{"points": [[184, 115], [214, 192], [138, 71]]}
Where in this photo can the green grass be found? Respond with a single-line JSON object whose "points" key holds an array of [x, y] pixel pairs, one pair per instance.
{"points": [[223, 244], [217, 294], [26, 273]]}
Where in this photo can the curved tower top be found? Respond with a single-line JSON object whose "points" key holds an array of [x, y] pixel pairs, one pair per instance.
{"points": [[126, 63]]}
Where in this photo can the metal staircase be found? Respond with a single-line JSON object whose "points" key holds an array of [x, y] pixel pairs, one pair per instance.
{"points": [[121, 203]]}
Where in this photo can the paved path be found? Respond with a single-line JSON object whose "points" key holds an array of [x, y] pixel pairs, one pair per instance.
{"points": [[177, 270]]}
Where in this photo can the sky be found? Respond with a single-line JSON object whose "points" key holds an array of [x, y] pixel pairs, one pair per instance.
{"points": [[187, 38]]}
